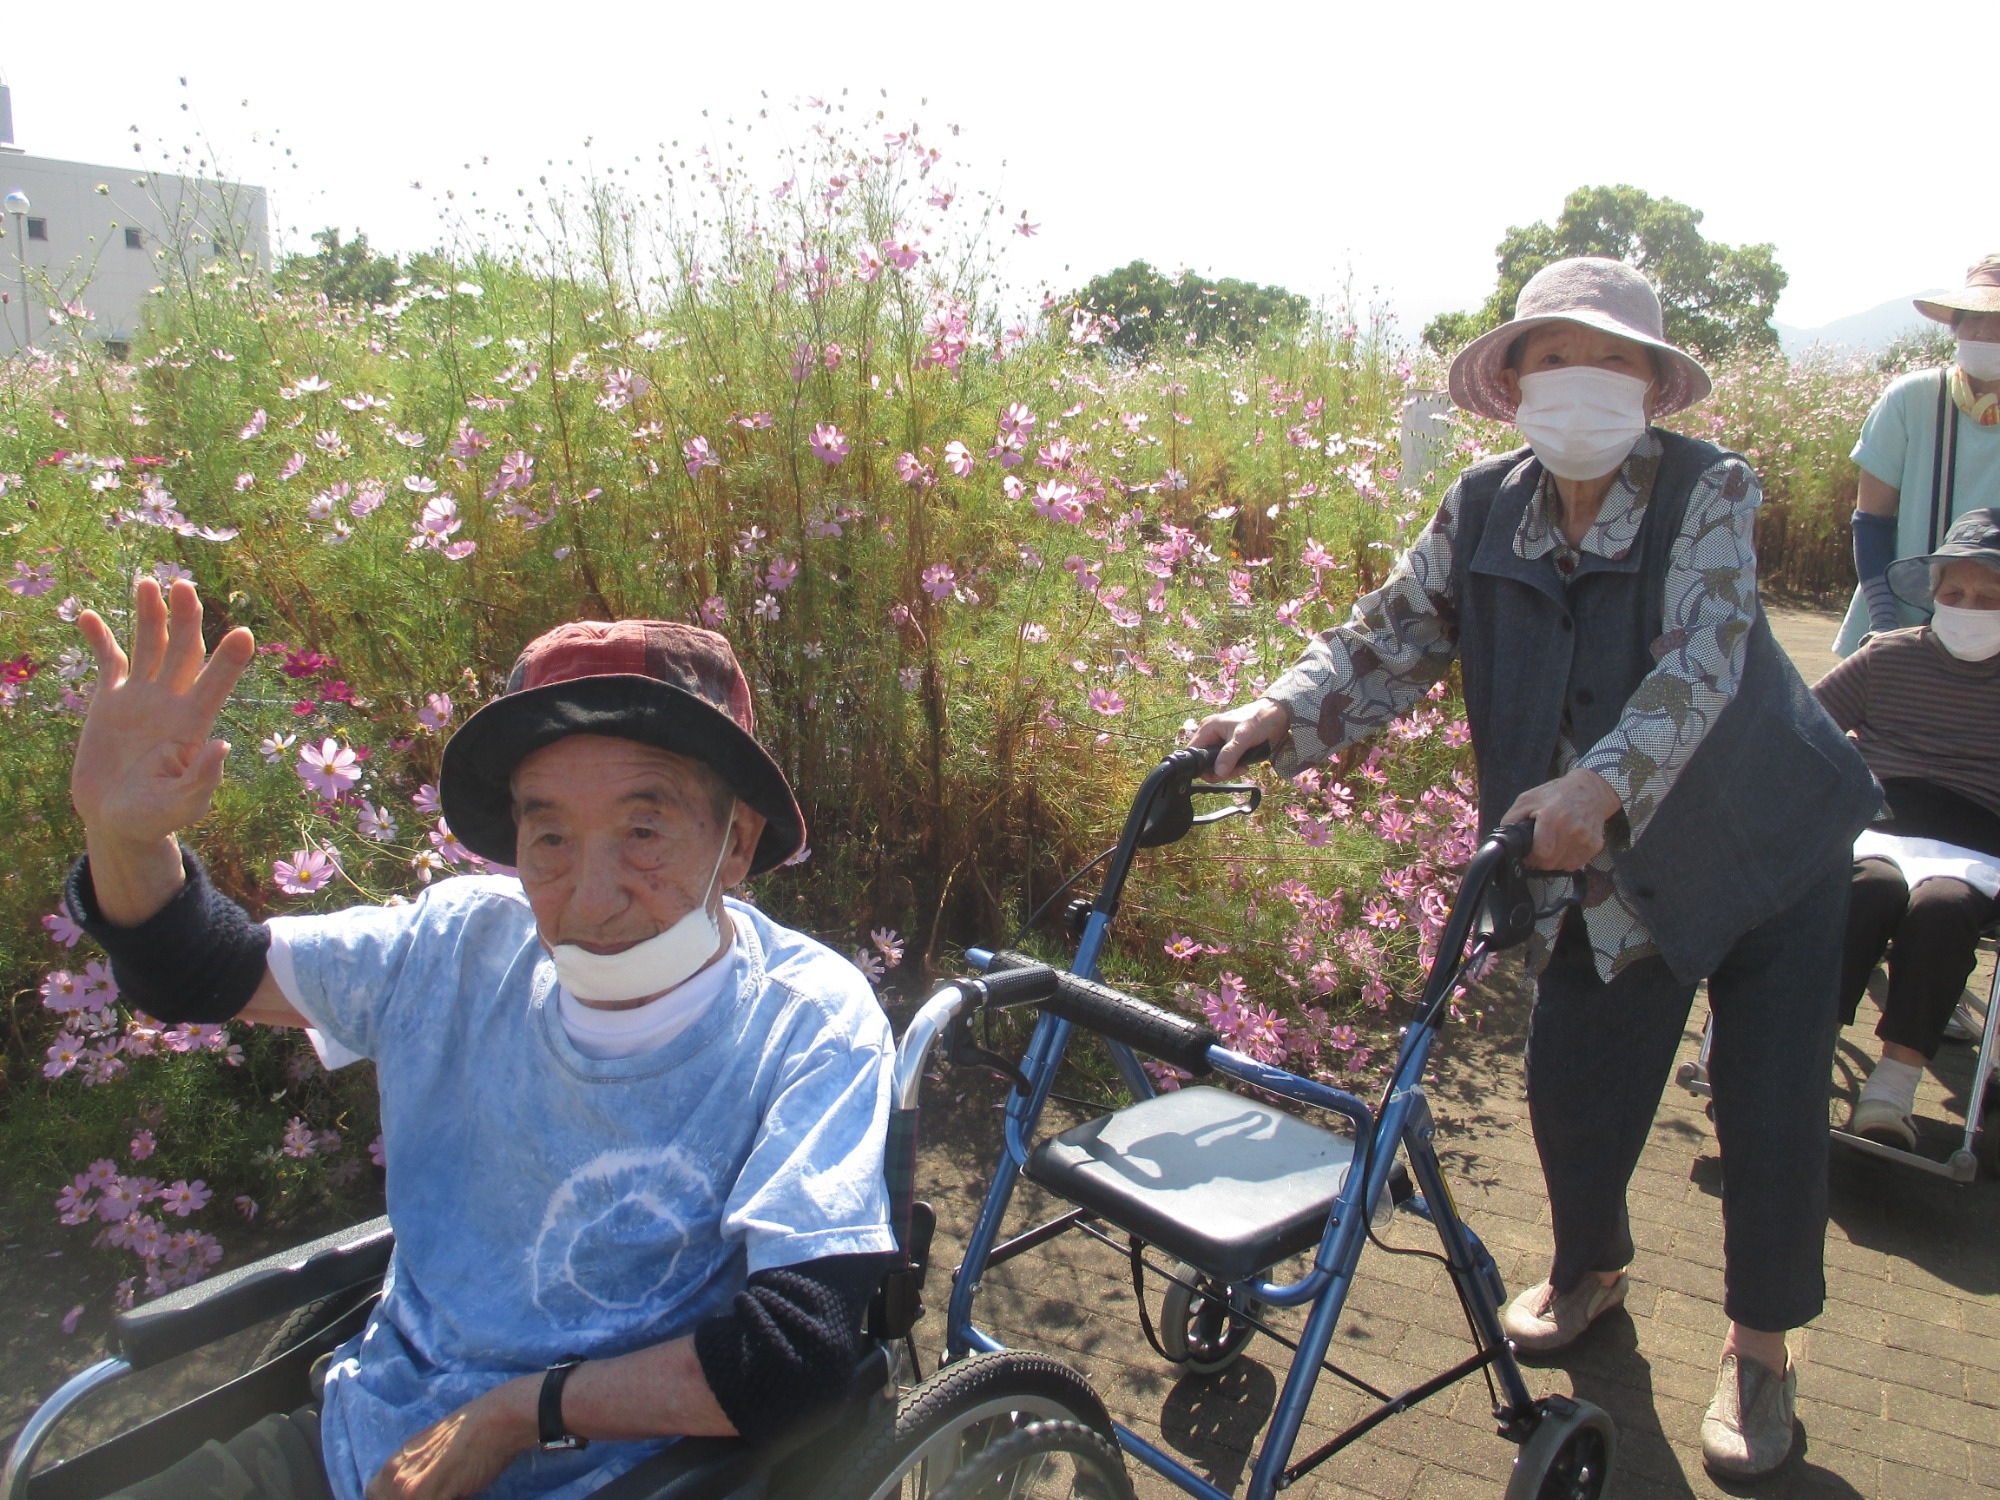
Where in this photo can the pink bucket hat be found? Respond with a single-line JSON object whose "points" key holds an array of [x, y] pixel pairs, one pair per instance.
{"points": [[1981, 294], [1587, 289]]}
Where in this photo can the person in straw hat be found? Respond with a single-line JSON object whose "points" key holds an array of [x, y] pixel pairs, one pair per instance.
{"points": [[1598, 588], [1929, 452], [634, 1130]]}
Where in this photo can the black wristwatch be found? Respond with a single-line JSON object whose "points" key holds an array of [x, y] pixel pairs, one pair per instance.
{"points": [[556, 1438]]}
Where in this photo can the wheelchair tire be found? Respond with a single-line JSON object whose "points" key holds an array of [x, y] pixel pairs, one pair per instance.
{"points": [[957, 1414], [1059, 1460], [1202, 1331], [1568, 1456], [320, 1319]]}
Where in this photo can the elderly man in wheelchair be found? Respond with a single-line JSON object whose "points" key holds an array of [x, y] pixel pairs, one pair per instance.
{"points": [[634, 1129]]}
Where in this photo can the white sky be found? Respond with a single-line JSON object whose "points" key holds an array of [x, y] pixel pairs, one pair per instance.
{"points": [[1295, 143]]}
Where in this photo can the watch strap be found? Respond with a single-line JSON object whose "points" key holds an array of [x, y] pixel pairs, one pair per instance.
{"points": [[554, 1436]]}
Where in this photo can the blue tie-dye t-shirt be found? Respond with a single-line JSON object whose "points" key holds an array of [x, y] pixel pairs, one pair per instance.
{"points": [[547, 1204]]}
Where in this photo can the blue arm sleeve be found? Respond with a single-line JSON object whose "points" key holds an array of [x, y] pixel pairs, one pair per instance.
{"points": [[1874, 550]]}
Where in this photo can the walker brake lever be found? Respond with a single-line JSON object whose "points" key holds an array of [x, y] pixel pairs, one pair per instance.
{"points": [[961, 1051], [1235, 809]]}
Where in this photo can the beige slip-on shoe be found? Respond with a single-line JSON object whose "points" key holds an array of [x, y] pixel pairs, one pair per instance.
{"points": [[1540, 1321], [1748, 1429]]}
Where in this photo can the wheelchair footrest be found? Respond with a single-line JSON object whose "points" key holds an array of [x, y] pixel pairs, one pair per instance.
{"points": [[1230, 1185]]}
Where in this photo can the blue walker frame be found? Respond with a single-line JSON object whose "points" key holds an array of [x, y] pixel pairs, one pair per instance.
{"points": [[1404, 1119]]}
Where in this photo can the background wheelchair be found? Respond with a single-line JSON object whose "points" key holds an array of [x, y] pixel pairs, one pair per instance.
{"points": [[1225, 1184], [1981, 1133]]}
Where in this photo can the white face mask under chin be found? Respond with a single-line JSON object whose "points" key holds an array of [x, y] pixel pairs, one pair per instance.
{"points": [[653, 967], [1979, 359], [1580, 420], [1968, 634]]}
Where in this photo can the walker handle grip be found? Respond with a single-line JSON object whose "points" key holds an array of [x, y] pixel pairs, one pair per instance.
{"points": [[1180, 1040], [1028, 983]]}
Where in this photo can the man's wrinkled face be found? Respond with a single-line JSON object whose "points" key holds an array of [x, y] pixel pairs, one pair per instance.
{"points": [[616, 840]]}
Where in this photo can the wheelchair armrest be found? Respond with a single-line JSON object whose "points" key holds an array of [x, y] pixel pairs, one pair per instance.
{"points": [[719, 1468], [209, 1310]]}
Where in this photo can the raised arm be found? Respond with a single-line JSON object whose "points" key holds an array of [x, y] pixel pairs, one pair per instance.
{"points": [[147, 765]]}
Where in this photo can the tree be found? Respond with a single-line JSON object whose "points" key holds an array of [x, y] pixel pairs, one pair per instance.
{"points": [[349, 272], [1191, 311], [1717, 298]]}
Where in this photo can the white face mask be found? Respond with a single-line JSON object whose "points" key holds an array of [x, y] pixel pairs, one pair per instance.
{"points": [[1581, 421], [1968, 634], [653, 967], [1979, 359]]}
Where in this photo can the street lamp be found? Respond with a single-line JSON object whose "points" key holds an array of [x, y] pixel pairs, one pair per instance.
{"points": [[16, 203]]}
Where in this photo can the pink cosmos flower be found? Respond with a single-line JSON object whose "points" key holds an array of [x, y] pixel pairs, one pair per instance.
{"points": [[699, 456], [300, 1140], [781, 574], [376, 1153], [870, 966], [246, 1206], [374, 823], [426, 800], [911, 678], [1107, 701], [1034, 634], [828, 444], [1183, 948], [436, 712], [766, 607], [714, 610], [32, 583], [305, 872], [958, 458], [59, 926], [1381, 913], [902, 254], [1016, 422], [64, 1053], [329, 768], [889, 944], [72, 1318], [292, 466], [757, 421], [183, 1198], [255, 426], [939, 579], [142, 1145]]}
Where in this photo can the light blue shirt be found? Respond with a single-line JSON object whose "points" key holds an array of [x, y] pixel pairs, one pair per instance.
{"points": [[547, 1204], [1899, 447]]}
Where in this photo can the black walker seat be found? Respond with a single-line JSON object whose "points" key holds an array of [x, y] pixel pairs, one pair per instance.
{"points": [[1229, 1185]]}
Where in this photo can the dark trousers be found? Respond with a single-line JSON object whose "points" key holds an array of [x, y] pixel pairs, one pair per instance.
{"points": [[1599, 1056], [1931, 937], [277, 1458]]}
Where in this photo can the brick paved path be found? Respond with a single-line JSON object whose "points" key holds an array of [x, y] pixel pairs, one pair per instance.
{"points": [[1899, 1378]]}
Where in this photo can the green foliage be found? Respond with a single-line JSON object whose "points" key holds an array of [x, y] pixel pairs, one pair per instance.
{"points": [[347, 271], [1927, 348], [1718, 299], [1138, 311]]}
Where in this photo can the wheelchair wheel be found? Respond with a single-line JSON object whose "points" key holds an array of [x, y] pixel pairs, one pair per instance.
{"points": [[328, 1320], [957, 1415], [1044, 1461], [1203, 1330], [1568, 1457]]}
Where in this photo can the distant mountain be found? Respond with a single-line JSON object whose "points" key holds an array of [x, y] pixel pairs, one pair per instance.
{"points": [[1862, 332]]}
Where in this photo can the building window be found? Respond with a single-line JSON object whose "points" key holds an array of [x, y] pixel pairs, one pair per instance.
{"points": [[38, 229], [135, 239]]}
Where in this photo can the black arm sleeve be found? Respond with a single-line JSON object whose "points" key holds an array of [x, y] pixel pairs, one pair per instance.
{"points": [[198, 958], [790, 1342]]}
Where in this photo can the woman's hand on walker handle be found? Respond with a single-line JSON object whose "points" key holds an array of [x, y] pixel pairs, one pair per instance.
{"points": [[145, 763], [1260, 722], [1570, 813]]}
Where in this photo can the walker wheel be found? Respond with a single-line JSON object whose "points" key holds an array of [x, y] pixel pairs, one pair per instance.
{"points": [[1203, 1331], [1568, 1456]]}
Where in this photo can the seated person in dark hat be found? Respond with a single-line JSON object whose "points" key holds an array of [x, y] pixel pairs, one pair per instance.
{"points": [[1923, 705], [625, 1117]]}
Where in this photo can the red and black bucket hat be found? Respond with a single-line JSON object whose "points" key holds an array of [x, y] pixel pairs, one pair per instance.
{"points": [[676, 687]]}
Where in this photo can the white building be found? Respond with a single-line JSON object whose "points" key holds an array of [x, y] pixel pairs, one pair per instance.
{"points": [[101, 239]]}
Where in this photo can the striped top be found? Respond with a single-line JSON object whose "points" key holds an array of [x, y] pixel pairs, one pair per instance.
{"points": [[1916, 710]]}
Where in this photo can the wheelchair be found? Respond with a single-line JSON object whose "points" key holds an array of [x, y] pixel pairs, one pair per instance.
{"points": [[1225, 1184], [1981, 1133]]}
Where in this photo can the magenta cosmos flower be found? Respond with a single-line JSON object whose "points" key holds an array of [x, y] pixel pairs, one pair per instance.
{"points": [[329, 768], [828, 443]]}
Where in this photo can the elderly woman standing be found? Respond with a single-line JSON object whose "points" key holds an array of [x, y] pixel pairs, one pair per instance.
{"points": [[1929, 452], [1624, 691]]}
